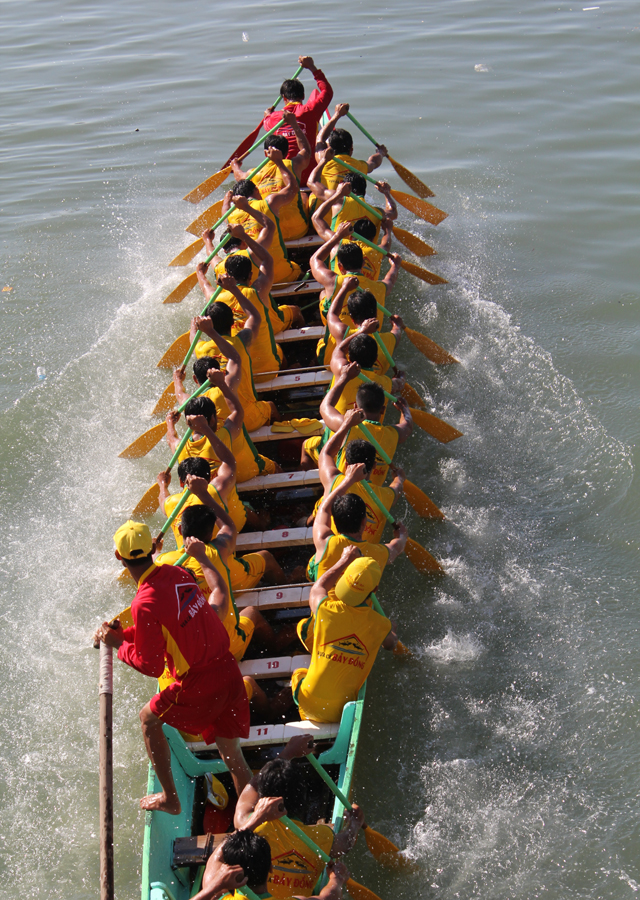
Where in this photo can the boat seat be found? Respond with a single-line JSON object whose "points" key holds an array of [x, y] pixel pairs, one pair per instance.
{"points": [[309, 240], [265, 540], [308, 333], [284, 597], [287, 381], [280, 480], [275, 666], [260, 735], [266, 434], [295, 289]]}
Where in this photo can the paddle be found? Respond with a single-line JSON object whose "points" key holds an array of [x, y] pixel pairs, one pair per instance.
{"points": [[357, 891], [210, 184], [408, 177], [185, 256], [147, 441], [410, 395], [412, 242], [434, 352], [422, 504], [426, 211], [378, 844], [418, 271], [437, 428], [421, 559], [106, 772], [175, 352], [149, 501]]}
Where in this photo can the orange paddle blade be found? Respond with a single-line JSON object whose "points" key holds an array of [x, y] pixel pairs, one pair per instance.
{"points": [[209, 185], [147, 441], [380, 847], [149, 502], [437, 428], [411, 180], [423, 274], [206, 220], [185, 287], [412, 397], [429, 348], [176, 352], [426, 211], [422, 560], [359, 891], [188, 253], [401, 649], [422, 504], [413, 242], [166, 401]]}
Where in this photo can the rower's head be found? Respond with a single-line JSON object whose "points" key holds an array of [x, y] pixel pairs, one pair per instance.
{"points": [[361, 452], [134, 545], [198, 522], [281, 778], [239, 267], [202, 406], [233, 243], [349, 257], [194, 465], [363, 350], [340, 141], [357, 182], [365, 228], [245, 188], [361, 306], [350, 515], [292, 90], [279, 142], [201, 367], [252, 853], [370, 399], [360, 579], [221, 316]]}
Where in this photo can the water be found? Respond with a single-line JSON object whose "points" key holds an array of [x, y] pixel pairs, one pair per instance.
{"points": [[503, 755]]}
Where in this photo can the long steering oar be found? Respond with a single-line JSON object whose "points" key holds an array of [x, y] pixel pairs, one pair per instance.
{"points": [[381, 847], [150, 500], [357, 891], [418, 271], [210, 184], [425, 345], [106, 773], [147, 441], [437, 428], [408, 177], [422, 504]]}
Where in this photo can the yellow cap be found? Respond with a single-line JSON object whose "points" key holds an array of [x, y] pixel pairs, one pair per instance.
{"points": [[133, 540], [361, 578]]}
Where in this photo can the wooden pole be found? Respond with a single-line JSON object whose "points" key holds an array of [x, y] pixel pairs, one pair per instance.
{"points": [[106, 773]]}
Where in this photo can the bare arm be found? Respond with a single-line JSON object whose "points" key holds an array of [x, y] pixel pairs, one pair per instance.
{"points": [[259, 248], [375, 160], [172, 435], [405, 425], [290, 188], [321, 142], [219, 596], [333, 419], [386, 232], [178, 384], [397, 544], [345, 840], [203, 281], [322, 524], [397, 485], [319, 269], [337, 327], [301, 160], [331, 577], [313, 181], [164, 480], [225, 541], [390, 208], [318, 220], [394, 268], [205, 325], [254, 317]]}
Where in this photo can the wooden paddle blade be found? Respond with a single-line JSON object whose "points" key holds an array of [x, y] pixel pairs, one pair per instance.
{"points": [[214, 181], [206, 220], [423, 274], [417, 186], [149, 502], [378, 844], [437, 428], [359, 891], [429, 348], [426, 211], [422, 560], [125, 617], [188, 253], [147, 441], [176, 352], [185, 287], [422, 504], [413, 242], [167, 400], [412, 397], [401, 649]]}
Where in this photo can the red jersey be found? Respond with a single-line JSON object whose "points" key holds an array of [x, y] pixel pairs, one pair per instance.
{"points": [[172, 622], [308, 115]]}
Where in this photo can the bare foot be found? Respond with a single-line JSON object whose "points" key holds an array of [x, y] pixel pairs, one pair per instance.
{"points": [[160, 803]]}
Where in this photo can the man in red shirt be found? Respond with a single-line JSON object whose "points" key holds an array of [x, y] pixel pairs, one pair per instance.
{"points": [[308, 114], [174, 624]]}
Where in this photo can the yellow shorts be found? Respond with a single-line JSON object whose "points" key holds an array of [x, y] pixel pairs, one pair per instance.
{"points": [[239, 644], [286, 271], [296, 680], [305, 630], [287, 313], [257, 415], [248, 688], [312, 447], [248, 573], [268, 467]]}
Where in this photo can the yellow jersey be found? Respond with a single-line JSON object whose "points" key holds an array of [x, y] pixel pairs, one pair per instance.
{"points": [[385, 435], [248, 460], [348, 397], [283, 269], [376, 520], [295, 868], [220, 269], [333, 172], [326, 344], [294, 217], [332, 552], [236, 510], [350, 211]]}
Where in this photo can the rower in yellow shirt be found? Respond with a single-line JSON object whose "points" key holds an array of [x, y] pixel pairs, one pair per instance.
{"points": [[361, 348], [362, 228], [341, 142], [348, 633]]}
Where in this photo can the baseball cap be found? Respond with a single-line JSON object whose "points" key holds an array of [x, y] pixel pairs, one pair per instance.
{"points": [[362, 576], [133, 540]]}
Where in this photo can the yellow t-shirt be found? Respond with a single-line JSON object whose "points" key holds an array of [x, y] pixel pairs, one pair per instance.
{"points": [[376, 520], [351, 211], [283, 269], [326, 344], [248, 460], [333, 172], [220, 269], [294, 218], [236, 510], [333, 551], [264, 352], [294, 867], [348, 397], [385, 435]]}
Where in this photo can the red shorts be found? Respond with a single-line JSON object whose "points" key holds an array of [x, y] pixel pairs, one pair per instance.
{"points": [[212, 702]]}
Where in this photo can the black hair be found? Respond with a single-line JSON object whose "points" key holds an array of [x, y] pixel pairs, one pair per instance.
{"points": [[340, 141], [361, 306], [201, 367], [238, 266], [365, 228], [194, 465], [350, 256], [244, 188], [281, 778], [361, 452], [349, 513], [252, 853], [221, 316], [201, 406], [198, 522], [370, 399], [232, 244], [292, 90], [278, 141], [357, 182], [363, 349]]}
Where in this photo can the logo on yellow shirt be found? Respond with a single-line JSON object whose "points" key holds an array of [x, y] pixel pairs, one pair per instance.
{"points": [[291, 862], [348, 649]]}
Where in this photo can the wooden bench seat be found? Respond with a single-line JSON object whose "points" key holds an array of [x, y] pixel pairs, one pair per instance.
{"points": [[278, 734], [279, 480], [277, 537], [295, 289], [275, 666], [307, 333], [289, 380], [289, 596], [309, 240], [266, 434]]}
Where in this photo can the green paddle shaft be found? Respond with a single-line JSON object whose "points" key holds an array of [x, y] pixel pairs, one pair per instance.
{"points": [[362, 129], [295, 75], [389, 396], [382, 346], [299, 833], [384, 456], [181, 502], [181, 559], [366, 205], [383, 509], [179, 448], [376, 605], [369, 243], [358, 172], [329, 781]]}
